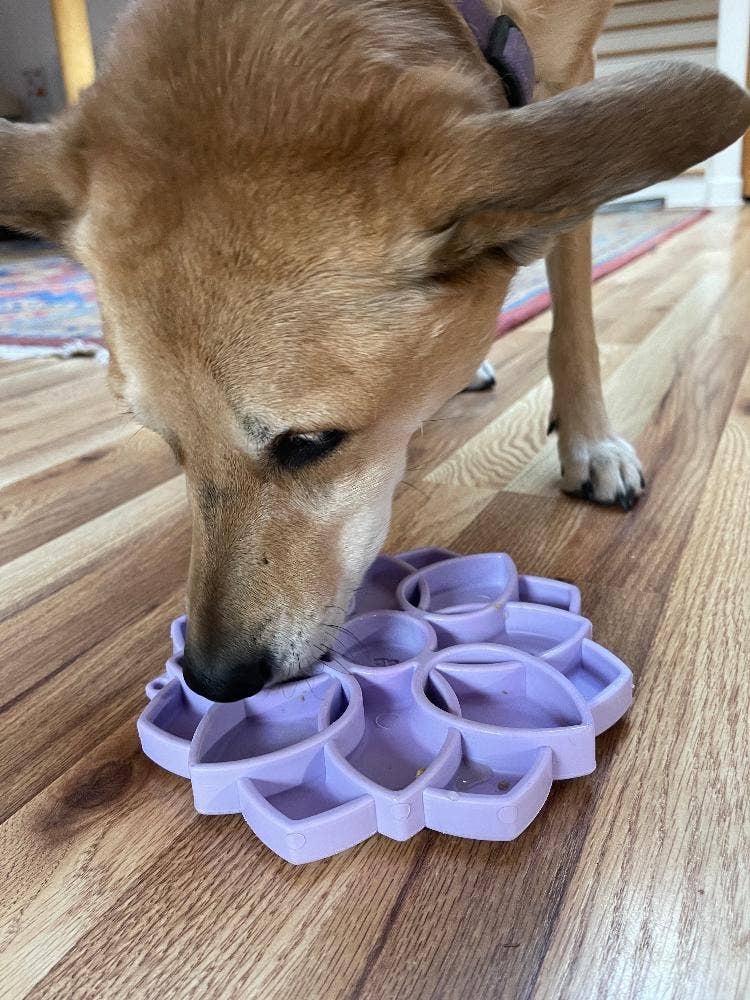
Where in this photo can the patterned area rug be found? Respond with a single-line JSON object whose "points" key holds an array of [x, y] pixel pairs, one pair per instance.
{"points": [[620, 237], [48, 304]]}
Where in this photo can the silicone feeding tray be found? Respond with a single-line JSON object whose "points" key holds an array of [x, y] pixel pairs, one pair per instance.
{"points": [[457, 693]]}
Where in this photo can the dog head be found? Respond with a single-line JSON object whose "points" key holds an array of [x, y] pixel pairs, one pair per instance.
{"points": [[300, 245]]}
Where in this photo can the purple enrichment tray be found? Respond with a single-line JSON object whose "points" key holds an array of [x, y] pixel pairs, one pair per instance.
{"points": [[457, 694]]}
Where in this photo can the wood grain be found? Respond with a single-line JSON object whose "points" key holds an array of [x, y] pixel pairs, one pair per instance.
{"points": [[684, 849], [632, 884]]}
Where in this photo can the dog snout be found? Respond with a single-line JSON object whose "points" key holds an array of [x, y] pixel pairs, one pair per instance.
{"points": [[222, 676]]}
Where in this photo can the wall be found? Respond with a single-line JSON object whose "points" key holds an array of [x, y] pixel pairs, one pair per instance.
{"points": [[102, 15], [27, 41], [725, 169], [641, 31]]}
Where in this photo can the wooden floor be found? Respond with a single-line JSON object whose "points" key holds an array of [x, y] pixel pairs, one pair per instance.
{"points": [[633, 882]]}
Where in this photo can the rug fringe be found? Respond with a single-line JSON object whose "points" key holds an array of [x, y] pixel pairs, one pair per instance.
{"points": [[72, 349]]}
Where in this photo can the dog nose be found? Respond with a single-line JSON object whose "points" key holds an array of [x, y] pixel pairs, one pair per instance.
{"points": [[220, 679]]}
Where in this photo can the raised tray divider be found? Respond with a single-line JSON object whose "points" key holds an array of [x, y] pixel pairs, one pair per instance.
{"points": [[491, 799], [553, 635], [271, 736]]}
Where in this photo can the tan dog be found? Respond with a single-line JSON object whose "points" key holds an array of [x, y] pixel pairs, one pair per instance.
{"points": [[302, 220]]}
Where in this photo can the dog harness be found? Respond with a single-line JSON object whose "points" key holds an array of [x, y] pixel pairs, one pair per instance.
{"points": [[505, 48]]}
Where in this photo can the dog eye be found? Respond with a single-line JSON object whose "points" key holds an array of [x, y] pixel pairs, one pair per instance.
{"points": [[294, 451]]}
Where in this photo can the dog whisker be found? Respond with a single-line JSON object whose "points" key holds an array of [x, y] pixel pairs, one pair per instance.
{"points": [[334, 607], [405, 482], [342, 628]]}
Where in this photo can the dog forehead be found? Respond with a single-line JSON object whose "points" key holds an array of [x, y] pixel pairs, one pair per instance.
{"points": [[262, 370], [282, 318], [253, 287]]}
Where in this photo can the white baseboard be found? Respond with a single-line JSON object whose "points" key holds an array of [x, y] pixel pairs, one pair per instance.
{"points": [[724, 191], [681, 192], [694, 191]]}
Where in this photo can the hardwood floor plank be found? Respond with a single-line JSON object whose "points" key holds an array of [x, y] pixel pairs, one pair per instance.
{"points": [[520, 363], [441, 512], [76, 847], [18, 383], [49, 568], [495, 455], [60, 498], [48, 402], [78, 700], [660, 905], [13, 368], [73, 410], [52, 628], [94, 435]]}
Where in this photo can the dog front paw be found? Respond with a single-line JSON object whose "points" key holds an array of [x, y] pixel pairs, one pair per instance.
{"points": [[606, 471], [483, 380]]}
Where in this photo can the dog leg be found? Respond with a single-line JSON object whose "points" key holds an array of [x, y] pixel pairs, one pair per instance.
{"points": [[595, 464]]}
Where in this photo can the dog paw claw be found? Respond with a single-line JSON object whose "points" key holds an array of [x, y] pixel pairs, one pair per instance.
{"points": [[627, 500], [605, 472]]}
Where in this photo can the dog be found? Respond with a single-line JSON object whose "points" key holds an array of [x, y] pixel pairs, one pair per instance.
{"points": [[302, 220]]}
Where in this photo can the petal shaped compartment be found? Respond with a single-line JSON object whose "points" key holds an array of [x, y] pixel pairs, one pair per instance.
{"points": [[603, 681], [553, 635], [512, 701], [462, 598], [167, 725], [270, 734], [492, 799]]}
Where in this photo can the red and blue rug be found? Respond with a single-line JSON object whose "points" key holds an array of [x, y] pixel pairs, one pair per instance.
{"points": [[48, 304]]}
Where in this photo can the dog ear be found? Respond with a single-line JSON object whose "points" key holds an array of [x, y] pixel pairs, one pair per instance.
{"points": [[41, 177], [528, 174]]}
